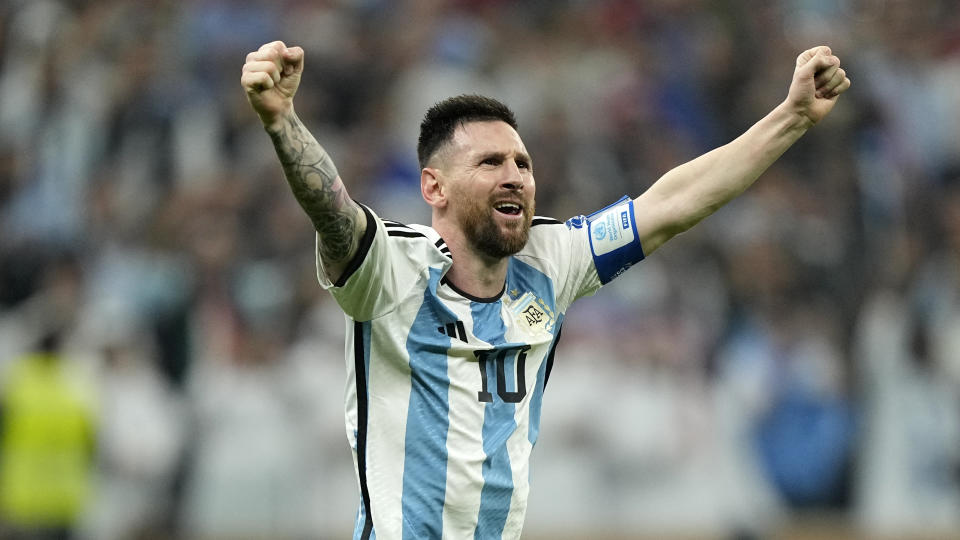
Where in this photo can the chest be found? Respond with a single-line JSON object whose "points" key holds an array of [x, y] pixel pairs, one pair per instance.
{"points": [[494, 351]]}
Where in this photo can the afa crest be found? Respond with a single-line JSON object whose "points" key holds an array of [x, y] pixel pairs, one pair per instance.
{"points": [[532, 313]]}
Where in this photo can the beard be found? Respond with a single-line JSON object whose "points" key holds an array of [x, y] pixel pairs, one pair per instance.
{"points": [[487, 237]]}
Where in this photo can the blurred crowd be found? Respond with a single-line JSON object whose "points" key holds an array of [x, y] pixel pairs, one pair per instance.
{"points": [[169, 366]]}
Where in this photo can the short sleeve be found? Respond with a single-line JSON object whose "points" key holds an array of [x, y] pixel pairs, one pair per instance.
{"points": [[378, 276], [585, 252]]}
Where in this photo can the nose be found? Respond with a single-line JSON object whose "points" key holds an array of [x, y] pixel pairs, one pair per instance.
{"points": [[513, 177]]}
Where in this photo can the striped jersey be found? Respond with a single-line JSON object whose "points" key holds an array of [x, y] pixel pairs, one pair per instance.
{"points": [[444, 389]]}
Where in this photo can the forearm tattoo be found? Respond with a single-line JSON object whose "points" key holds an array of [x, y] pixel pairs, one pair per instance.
{"points": [[318, 188]]}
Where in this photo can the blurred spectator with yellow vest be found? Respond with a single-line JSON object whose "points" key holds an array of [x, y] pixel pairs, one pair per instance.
{"points": [[47, 438]]}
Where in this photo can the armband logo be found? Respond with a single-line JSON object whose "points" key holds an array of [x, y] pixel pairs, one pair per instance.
{"points": [[612, 229]]}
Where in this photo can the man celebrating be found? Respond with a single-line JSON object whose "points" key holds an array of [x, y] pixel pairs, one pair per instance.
{"points": [[452, 328]]}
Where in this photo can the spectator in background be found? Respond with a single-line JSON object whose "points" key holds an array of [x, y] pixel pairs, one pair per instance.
{"points": [[113, 124], [47, 442], [141, 435], [907, 355]]}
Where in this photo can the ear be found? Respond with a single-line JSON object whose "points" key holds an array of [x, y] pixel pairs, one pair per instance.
{"points": [[432, 188]]}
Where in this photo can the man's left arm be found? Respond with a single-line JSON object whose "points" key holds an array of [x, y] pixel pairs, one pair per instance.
{"points": [[692, 191]]}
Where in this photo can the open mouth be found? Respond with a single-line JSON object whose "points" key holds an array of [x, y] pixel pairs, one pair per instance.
{"points": [[510, 209]]}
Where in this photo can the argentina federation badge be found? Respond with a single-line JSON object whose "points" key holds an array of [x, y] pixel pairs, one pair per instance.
{"points": [[532, 314]]}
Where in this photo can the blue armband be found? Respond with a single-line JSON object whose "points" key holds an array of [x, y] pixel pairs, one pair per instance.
{"points": [[614, 241]]}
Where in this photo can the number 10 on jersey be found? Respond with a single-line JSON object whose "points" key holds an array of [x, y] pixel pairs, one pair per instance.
{"points": [[498, 357]]}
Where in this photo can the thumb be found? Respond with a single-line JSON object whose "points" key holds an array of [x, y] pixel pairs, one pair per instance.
{"points": [[292, 60], [812, 61]]}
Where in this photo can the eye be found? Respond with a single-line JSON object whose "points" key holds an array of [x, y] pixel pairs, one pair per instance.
{"points": [[491, 161], [523, 164]]}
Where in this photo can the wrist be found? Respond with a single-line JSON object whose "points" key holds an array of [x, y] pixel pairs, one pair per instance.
{"points": [[793, 118], [275, 122]]}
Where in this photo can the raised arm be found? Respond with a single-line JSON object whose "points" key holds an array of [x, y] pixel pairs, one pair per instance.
{"points": [[688, 193], [270, 77]]}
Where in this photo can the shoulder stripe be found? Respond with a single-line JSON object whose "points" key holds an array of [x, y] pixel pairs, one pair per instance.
{"points": [[405, 233], [442, 246], [545, 221], [394, 224]]}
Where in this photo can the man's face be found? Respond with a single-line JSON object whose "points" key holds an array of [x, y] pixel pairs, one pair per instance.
{"points": [[491, 188]]}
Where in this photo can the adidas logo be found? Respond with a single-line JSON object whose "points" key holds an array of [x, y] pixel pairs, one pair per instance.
{"points": [[454, 330]]}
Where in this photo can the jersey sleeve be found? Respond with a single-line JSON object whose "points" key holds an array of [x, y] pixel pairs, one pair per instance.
{"points": [[373, 281], [586, 252], [611, 233]]}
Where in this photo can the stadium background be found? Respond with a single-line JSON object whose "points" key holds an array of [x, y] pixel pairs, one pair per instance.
{"points": [[788, 369]]}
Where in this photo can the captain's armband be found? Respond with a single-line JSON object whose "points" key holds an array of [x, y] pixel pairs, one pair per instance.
{"points": [[614, 241]]}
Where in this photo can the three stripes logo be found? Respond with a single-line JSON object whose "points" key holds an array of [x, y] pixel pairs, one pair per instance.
{"points": [[454, 330], [399, 230]]}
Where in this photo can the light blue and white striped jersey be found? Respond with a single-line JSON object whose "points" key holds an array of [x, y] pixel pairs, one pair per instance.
{"points": [[444, 389]]}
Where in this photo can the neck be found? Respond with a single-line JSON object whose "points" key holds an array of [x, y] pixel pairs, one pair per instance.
{"points": [[474, 273]]}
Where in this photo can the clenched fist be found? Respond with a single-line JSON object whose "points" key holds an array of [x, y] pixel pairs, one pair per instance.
{"points": [[270, 77], [818, 81]]}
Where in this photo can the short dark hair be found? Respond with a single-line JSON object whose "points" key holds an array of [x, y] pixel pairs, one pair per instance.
{"points": [[442, 119]]}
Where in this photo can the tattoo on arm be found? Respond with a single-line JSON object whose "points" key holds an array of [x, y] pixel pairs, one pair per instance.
{"points": [[319, 190]]}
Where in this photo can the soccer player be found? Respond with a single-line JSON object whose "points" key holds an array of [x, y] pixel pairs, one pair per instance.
{"points": [[452, 327]]}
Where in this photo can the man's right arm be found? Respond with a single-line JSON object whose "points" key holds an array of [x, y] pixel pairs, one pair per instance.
{"points": [[270, 77]]}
